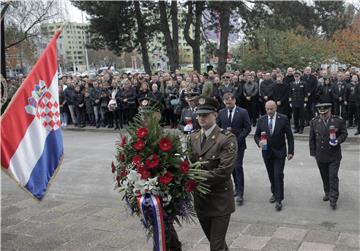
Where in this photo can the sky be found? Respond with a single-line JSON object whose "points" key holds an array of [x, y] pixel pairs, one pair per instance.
{"points": [[74, 14]]}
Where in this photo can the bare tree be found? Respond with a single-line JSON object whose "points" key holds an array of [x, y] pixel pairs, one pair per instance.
{"points": [[23, 19]]}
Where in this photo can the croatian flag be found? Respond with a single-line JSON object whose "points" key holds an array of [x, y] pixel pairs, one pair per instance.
{"points": [[31, 139]]}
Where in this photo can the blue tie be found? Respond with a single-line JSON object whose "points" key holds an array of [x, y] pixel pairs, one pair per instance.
{"points": [[270, 126]]}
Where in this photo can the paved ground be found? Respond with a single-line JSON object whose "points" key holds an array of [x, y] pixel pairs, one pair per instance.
{"points": [[82, 212]]}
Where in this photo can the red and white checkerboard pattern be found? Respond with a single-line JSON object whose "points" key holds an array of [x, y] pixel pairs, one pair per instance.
{"points": [[48, 112]]}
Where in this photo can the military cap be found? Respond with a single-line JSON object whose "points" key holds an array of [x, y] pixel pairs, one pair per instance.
{"points": [[297, 73], [206, 105], [323, 107], [147, 104], [191, 95]]}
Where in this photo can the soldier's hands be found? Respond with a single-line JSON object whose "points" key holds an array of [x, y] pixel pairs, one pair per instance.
{"points": [[278, 103], [290, 156]]}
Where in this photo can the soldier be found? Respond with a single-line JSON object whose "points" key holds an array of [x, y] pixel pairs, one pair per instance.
{"points": [[297, 100], [218, 148], [188, 121], [327, 132]]}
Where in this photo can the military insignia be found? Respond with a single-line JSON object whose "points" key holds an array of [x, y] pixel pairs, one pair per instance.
{"points": [[201, 101], [145, 102], [232, 147]]}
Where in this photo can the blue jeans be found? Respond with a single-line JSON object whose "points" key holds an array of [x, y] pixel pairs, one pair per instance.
{"points": [[97, 114]]}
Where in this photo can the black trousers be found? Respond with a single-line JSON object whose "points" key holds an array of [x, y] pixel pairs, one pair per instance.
{"points": [[352, 113], [299, 117], [275, 170], [238, 173], [329, 175], [215, 229]]}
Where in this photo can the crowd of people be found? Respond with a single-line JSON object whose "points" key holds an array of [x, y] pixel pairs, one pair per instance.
{"points": [[108, 100]]}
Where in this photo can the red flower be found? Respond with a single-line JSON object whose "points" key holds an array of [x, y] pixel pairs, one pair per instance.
{"points": [[113, 167], [123, 141], [139, 145], [136, 160], [123, 172], [122, 157], [184, 167], [165, 144], [143, 172], [166, 178], [190, 185], [118, 180], [152, 161], [142, 132]]}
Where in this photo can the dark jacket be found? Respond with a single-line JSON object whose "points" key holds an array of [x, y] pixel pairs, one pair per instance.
{"points": [[95, 95], [240, 124], [319, 138], [266, 89], [311, 85], [281, 93], [297, 94], [276, 141]]}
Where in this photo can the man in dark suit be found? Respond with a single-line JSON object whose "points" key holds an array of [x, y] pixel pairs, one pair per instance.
{"points": [[327, 150], [277, 127], [237, 121], [217, 148]]}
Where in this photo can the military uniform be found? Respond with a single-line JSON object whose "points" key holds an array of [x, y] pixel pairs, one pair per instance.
{"points": [[328, 156], [188, 122], [219, 151], [298, 99]]}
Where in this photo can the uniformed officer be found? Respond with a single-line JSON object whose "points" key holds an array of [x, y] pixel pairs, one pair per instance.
{"points": [[327, 132], [297, 100], [188, 122], [218, 148]]}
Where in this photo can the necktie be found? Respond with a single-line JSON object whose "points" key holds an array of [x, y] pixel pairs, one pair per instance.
{"points": [[203, 140], [229, 118], [271, 125]]}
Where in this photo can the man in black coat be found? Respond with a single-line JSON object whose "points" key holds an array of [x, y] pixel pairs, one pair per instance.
{"points": [[277, 127], [311, 84], [237, 121], [297, 100], [326, 151]]}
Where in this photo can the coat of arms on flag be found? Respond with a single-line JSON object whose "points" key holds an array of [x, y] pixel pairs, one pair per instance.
{"points": [[33, 152], [44, 106]]}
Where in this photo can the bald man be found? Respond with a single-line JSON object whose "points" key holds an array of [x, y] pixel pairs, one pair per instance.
{"points": [[277, 127]]}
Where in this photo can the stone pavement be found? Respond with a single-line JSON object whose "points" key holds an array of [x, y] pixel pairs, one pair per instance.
{"points": [[82, 212]]}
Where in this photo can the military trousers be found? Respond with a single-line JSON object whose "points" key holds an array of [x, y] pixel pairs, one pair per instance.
{"points": [[215, 228], [329, 175]]}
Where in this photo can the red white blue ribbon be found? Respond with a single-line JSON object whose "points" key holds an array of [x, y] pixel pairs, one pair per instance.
{"points": [[157, 218]]}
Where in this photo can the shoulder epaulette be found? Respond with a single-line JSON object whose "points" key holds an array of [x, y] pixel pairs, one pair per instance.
{"points": [[225, 132], [314, 118], [337, 117]]}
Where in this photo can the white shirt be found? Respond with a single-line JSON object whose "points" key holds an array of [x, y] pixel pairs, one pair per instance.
{"points": [[273, 122], [232, 113], [207, 132]]}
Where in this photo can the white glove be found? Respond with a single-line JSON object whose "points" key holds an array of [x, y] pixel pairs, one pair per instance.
{"points": [[188, 128], [333, 144], [304, 105]]}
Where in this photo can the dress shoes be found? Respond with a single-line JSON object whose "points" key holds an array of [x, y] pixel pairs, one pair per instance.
{"points": [[301, 132], [278, 206], [272, 199], [326, 197], [239, 200], [333, 205], [357, 133]]}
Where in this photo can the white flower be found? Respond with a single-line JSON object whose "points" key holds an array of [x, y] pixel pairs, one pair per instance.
{"points": [[133, 176], [139, 185]]}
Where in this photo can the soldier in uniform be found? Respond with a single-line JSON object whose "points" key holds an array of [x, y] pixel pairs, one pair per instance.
{"points": [[297, 100], [326, 151], [188, 122], [218, 148]]}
